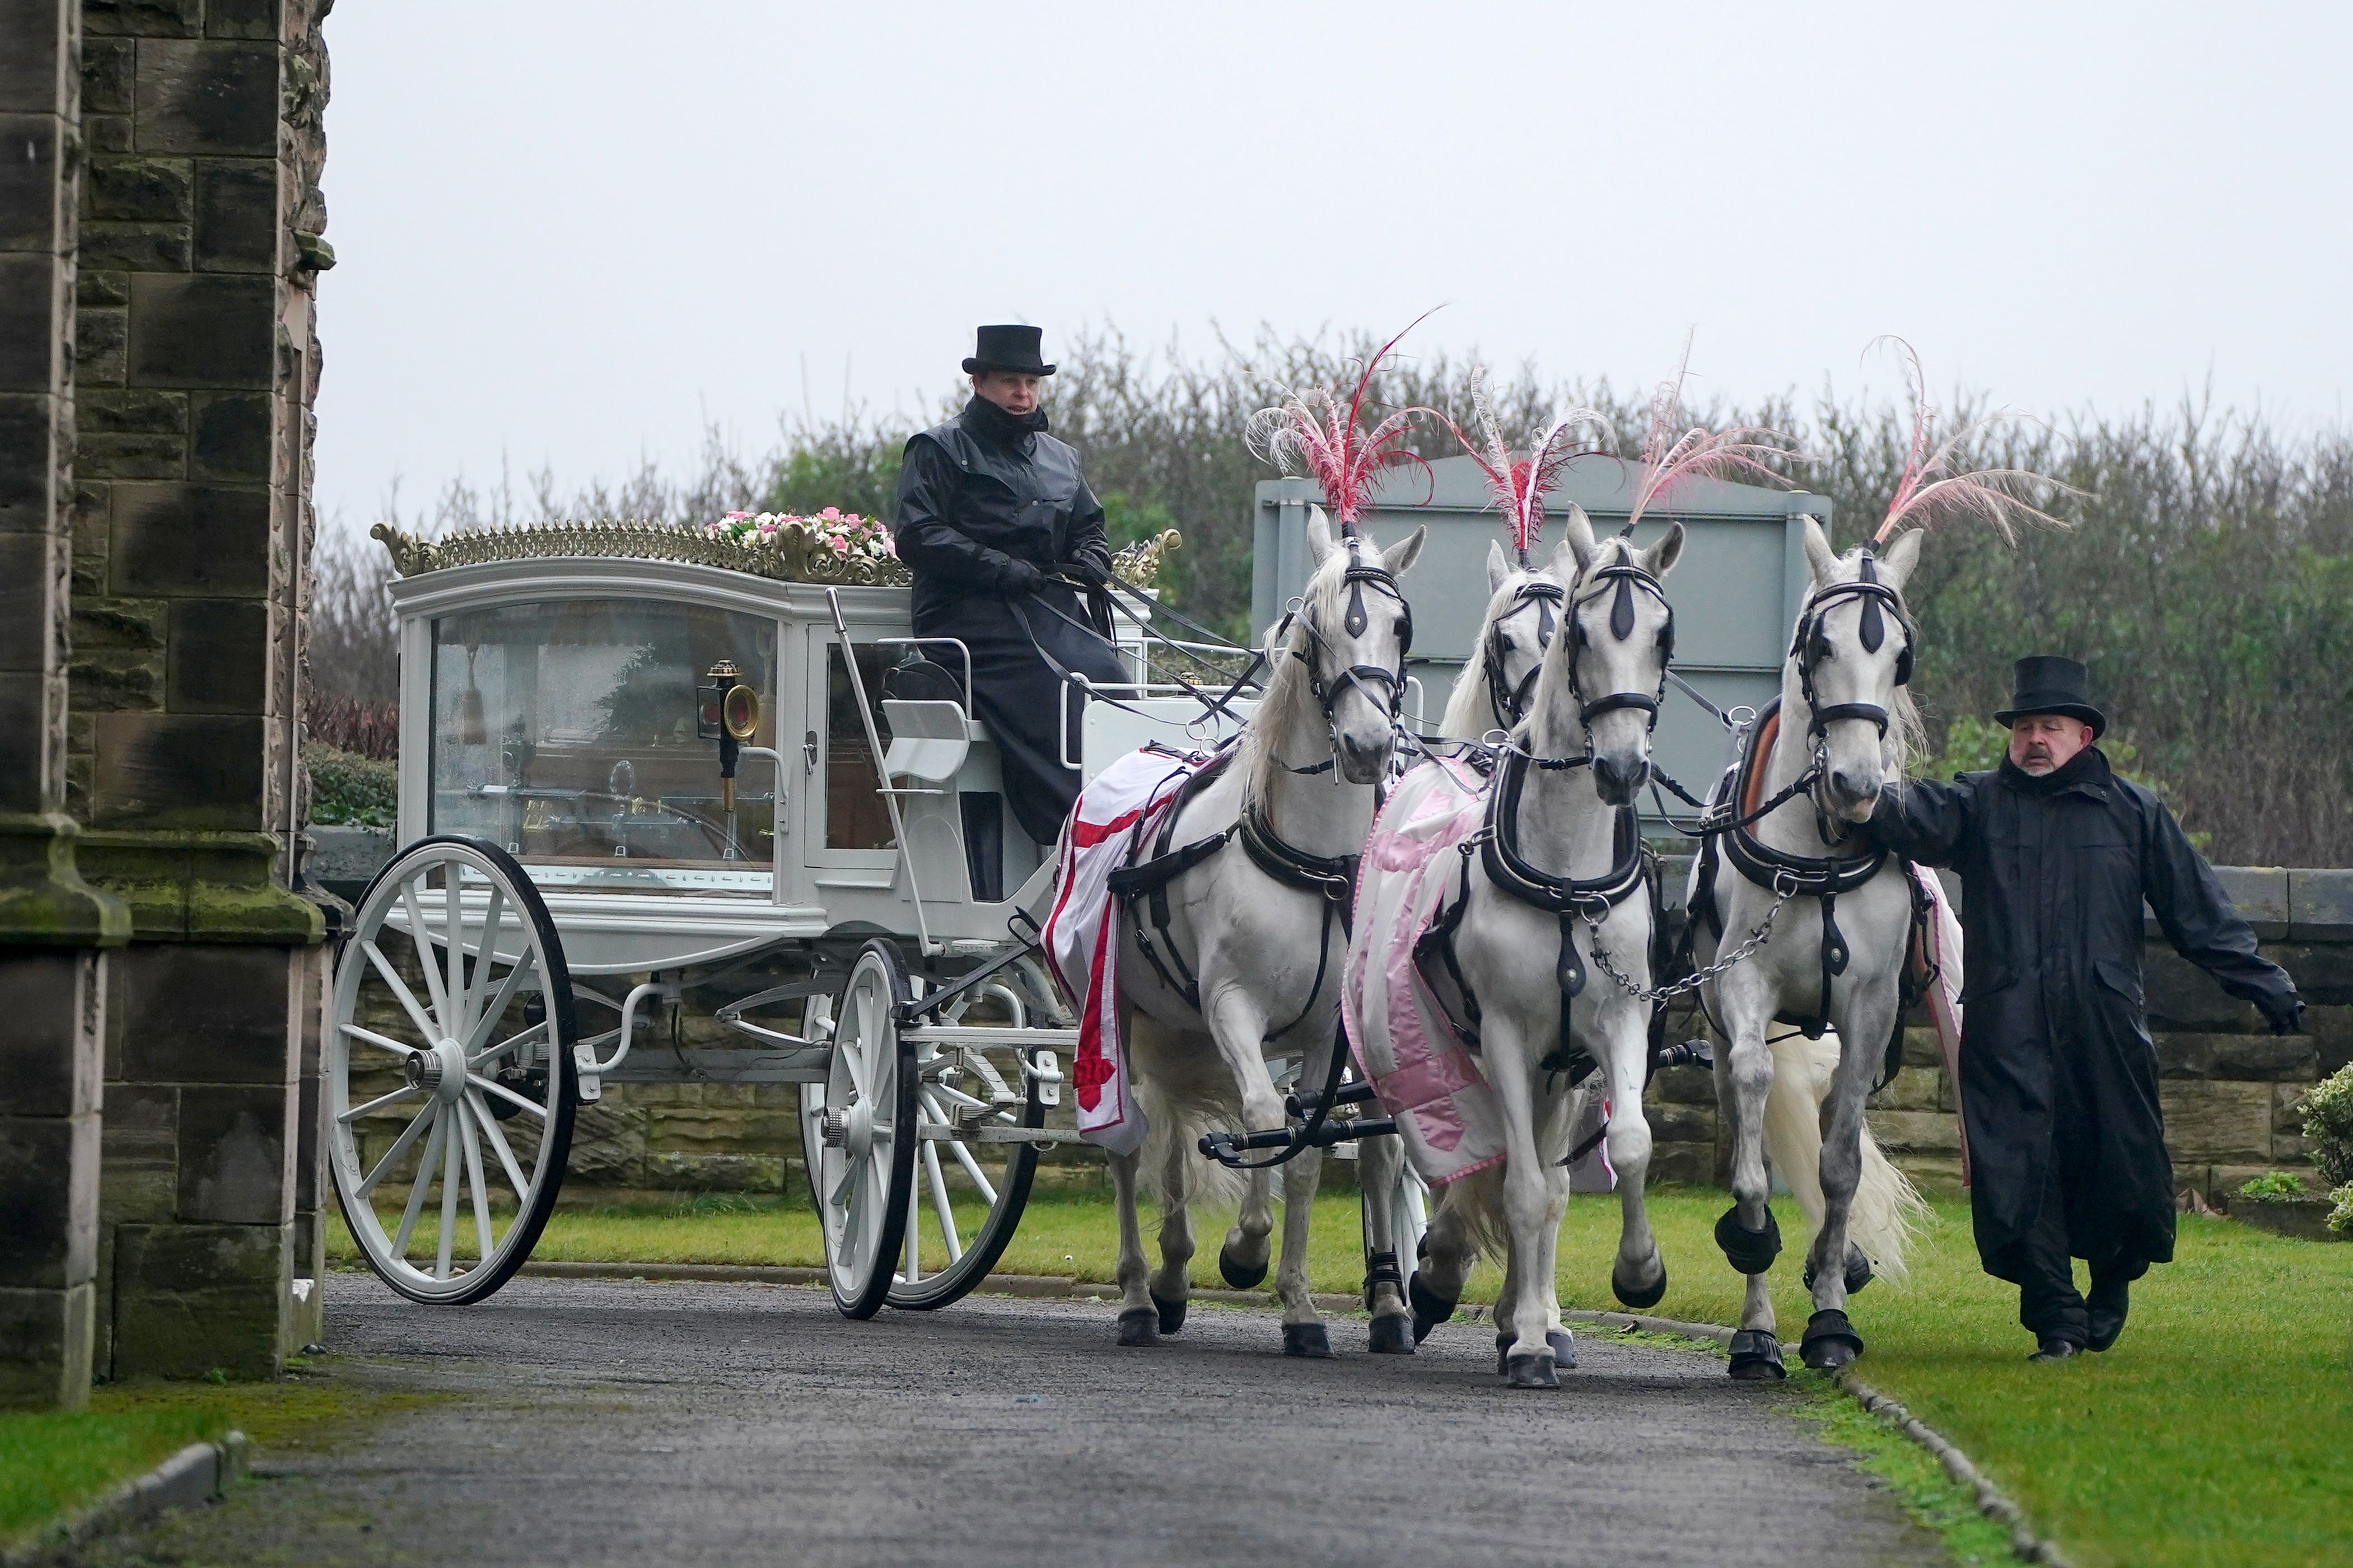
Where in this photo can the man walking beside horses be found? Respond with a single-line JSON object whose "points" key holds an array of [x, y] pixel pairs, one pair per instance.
{"points": [[2058, 1076]]}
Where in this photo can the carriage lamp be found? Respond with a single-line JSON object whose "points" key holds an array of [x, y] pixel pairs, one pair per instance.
{"points": [[728, 711]]}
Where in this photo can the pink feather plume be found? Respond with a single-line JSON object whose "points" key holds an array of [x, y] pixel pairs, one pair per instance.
{"points": [[1672, 456], [1926, 494], [1517, 483], [1312, 431]]}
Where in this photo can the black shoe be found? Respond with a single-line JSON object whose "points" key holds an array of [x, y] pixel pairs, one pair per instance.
{"points": [[2109, 1302], [2055, 1350]]}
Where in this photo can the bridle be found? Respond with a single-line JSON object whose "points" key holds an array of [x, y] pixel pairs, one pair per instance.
{"points": [[1810, 645], [1511, 703], [1311, 650], [1620, 580]]}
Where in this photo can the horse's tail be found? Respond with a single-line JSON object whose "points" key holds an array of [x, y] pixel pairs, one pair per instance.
{"points": [[1183, 1093], [1887, 1211], [1476, 1201]]}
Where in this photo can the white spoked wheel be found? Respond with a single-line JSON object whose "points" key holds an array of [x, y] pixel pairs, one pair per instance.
{"points": [[448, 1071], [972, 1187], [860, 1143]]}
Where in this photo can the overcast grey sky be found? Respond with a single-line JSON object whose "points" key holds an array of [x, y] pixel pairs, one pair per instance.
{"points": [[570, 232]]}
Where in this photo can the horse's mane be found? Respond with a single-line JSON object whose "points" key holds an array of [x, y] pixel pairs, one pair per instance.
{"points": [[1286, 681]]}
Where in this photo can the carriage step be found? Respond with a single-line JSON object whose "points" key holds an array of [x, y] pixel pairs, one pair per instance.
{"points": [[941, 1132], [961, 1034]]}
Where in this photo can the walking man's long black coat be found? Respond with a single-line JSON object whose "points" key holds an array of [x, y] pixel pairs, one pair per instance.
{"points": [[2056, 1061], [989, 505]]}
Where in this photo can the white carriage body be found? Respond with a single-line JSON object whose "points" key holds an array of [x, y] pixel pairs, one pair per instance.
{"points": [[549, 704]]}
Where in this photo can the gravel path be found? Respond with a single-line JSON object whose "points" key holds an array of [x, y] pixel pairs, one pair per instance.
{"points": [[658, 1424]]}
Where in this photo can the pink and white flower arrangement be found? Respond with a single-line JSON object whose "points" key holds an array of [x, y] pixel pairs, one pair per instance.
{"points": [[846, 533]]}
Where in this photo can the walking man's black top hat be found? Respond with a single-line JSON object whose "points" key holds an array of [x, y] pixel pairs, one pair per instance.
{"points": [[2050, 684], [1008, 348]]}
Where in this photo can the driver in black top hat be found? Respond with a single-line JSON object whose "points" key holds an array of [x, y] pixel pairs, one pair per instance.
{"points": [[1003, 536], [2057, 1075]]}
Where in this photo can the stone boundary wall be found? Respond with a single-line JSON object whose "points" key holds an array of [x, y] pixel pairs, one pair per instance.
{"points": [[2229, 1086]]}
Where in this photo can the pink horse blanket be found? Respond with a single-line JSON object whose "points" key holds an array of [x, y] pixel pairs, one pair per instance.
{"points": [[1117, 815], [1405, 1017]]}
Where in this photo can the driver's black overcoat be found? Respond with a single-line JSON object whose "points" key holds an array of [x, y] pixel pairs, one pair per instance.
{"points": [[989, 505], [2054, 1044]]}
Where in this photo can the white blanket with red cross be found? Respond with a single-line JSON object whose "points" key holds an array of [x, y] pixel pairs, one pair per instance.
{"points": [[1115, 817]]}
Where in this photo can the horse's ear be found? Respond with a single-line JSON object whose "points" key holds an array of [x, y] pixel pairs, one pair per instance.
{"points": [[1498, 568], [1319, 538], [1660, 558], [1819, 553], [1399, 557], [1897, 562], [1564, 560], [1580, 536]]}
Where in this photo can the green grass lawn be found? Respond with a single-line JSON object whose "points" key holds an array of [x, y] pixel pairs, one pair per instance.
{"points": [[52, 1463], [2217, 1432]]}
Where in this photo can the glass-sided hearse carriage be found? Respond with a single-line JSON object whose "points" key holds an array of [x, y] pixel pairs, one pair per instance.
{"points": [[640, 764]]}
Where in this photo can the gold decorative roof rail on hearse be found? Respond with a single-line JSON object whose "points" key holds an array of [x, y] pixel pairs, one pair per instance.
{"points": [[792, 552]]}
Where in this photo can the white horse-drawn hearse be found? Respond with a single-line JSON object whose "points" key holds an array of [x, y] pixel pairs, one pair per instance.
{"points": [[640, 761]]}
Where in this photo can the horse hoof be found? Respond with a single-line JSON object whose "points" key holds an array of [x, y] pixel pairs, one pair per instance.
{"points": [[1858, 1269], [1429, 1308], [1139, 1326], [1641, 1297], [1392, 1335], [1307, 1340], [1172, 1314], [1240, 1275], [1564, 1351], [1748, 1251], [1533, 1371], [1756, 1357], [1831, 1342]]}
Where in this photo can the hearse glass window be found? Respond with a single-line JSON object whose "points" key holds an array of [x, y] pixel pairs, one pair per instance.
{"points": [[571, 731], [856, 817]]}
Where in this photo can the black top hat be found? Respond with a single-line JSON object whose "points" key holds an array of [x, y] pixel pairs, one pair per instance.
{"points": [[1008, 348], [2048, 683]]}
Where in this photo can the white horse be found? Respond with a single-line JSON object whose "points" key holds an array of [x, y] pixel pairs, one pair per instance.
{"points": [[1491, 696], [1556, 830], [1838, 736], [1250, 959]]}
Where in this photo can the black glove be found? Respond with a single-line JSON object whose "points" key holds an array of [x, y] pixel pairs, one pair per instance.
{"points": [[2289, 1019], [1024, 577], [1090, 569]]}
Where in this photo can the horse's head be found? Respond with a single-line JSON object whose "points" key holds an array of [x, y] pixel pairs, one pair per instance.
{"points": [[1352, 634], [1602, 678], [1523, 611], [1851, 658]]}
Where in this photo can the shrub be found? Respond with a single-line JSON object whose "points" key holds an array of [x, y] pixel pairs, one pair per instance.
{"points": [[350, 789], [2275, 1187], [2327, 1110]]}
